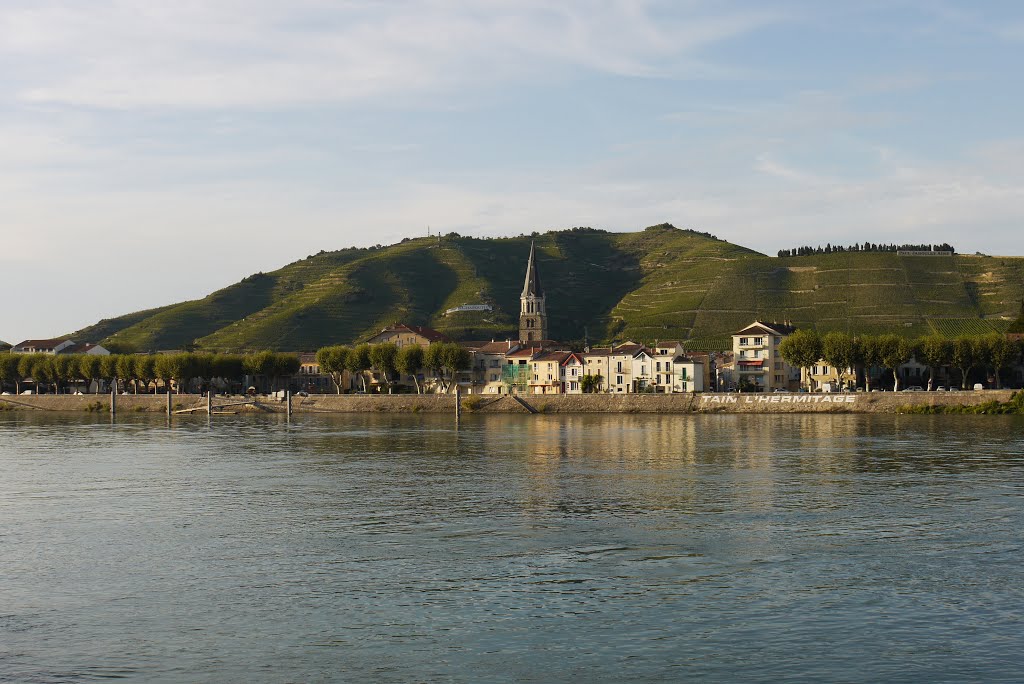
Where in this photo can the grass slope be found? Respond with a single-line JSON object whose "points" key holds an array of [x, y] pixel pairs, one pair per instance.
{"points": [[660, 283]]}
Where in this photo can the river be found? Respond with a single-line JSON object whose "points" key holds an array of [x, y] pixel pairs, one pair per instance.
{"points": [[391, 548]]}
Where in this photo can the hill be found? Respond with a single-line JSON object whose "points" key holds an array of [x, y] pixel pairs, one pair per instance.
{"points": [[659, 283]]}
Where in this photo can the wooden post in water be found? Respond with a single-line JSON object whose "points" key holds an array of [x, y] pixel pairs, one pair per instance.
{"points": [[458, 403], [113, 399], [288, 400], [209, 401], [169, 402]]}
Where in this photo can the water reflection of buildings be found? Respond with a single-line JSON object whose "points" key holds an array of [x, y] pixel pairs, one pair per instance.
{"points": [[695, 463]]}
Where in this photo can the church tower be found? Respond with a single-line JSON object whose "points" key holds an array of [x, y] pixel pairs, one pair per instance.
{"points": [[533, 315]]}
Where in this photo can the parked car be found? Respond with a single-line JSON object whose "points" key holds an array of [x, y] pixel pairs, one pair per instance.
{"points": [[914, 388], [978, 387], [940, 388]]}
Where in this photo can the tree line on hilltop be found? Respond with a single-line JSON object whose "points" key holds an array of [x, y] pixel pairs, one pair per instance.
{"points": [[864, 247], [64, 370], [806, 348]]}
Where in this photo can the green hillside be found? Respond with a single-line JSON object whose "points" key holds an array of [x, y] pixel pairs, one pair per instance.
{"points": [[659, 283]]}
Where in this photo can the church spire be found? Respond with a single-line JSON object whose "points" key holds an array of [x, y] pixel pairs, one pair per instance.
{"points": [[533, 315], [531, 288]]}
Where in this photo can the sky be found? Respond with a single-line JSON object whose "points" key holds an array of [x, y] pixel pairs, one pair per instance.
{"points": [[152, 152]]}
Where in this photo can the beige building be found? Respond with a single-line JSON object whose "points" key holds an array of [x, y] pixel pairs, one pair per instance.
{"points": [[596, 363], [402, 335], [758, 365], [574, 368], [822, 375], [548, 372]]}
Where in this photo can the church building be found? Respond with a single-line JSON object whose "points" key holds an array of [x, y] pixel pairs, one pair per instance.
{"points": [[533, 315]]}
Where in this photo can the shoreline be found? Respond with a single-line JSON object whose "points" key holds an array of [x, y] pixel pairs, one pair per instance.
{"points": [[874, 402]]}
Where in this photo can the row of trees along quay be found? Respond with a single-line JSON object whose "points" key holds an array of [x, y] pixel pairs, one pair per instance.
{"points": [[994, 352], [148, 371], [442, 361]]}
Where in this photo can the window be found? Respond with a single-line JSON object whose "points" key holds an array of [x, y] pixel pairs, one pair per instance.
{"points": [[744, 340], [658, 366], [778, 365], [777, 340], [618, 368], [574, 386], [778, 378], [758, 341], [618, 379], [743, 354]]}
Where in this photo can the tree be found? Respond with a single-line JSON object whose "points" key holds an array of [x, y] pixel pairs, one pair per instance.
{"points": [[284, 364], [65, 368], [894, 351], [26, 365], [840, 351], [934, 351], [409, 361], [964, 357], [108, 369], [9, 369], [89, 369], [382, 356], [1001, 354], [433, 362], [591, 383], [332, 362], [802, 349], [145, 370], [228, 367], [126, 370], [172, 367], [454, 358], [357, 362]]}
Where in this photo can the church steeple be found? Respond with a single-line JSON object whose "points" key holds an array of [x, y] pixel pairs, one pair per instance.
{"points": [[531, 288], [533, 315]]}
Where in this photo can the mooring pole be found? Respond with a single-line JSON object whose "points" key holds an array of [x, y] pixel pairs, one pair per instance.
{"points": [[168, 402], [209, 401], [113, 398], [458, 403], [288, 400]]}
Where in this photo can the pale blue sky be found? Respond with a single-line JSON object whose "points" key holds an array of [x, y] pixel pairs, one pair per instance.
{"points": [[152, 154]]}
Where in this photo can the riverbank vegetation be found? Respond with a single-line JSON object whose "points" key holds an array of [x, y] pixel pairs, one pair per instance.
{"points": [[1015, 406], [992, 355], [386, 363], [142, 373]]}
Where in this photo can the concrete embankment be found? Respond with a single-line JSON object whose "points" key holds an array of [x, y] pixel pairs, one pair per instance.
{"points": [[875, 402]]}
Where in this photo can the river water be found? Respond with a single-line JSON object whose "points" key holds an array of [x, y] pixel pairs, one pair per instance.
{"points": [[381, 548]]}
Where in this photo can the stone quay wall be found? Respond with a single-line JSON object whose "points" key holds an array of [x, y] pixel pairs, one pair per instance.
{"points": [[874, 402]]}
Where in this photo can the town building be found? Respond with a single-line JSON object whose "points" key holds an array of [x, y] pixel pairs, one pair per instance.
{"points": [[488, 360], [533, 314], [620, 367], [574, 368], [548, 372], [759, 367], [311, 379], [402, 335], [597, 364], [58, 346], [823, 376], [517, 373], [687, 375]]}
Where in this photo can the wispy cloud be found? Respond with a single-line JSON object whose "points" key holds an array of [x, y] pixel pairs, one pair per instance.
{"points": [[263, 53]]}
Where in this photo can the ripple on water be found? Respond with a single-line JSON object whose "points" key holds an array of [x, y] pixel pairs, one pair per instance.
{"points": [[604, 548]]}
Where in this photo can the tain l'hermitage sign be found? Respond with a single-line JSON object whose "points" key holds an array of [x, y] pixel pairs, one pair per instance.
{"points": [[780, 398]]}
